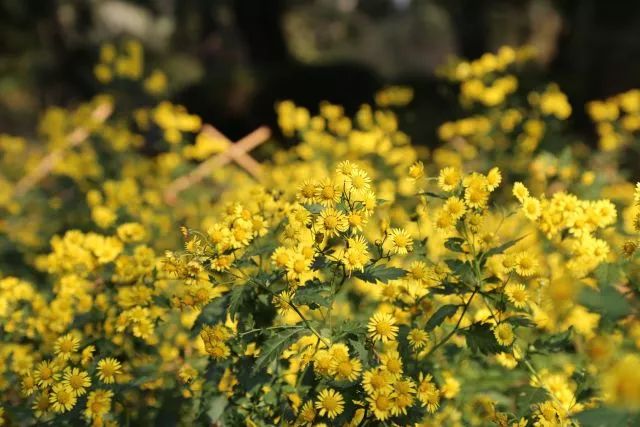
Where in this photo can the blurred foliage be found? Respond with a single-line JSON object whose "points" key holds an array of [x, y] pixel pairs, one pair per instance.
{"points": [[230, 61]]}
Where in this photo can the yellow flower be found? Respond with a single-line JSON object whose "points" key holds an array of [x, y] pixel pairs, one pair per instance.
{"points": [[62, 398], [66, 345], [449, 178], [381, 404], [427, 393], [28, 385], [41, 404], [392, 363], [517, 294], [494, 178], [400, 241], [78, 381], [621, 382], [108, 368], [418, 338], [416, 170], [454, 208], [525, 264], [520, 191], [346, 369], [403, 391], [377, 380], [307, 192], [327, 193], [531, 208], [504, 334], [382, 327], [332, 222], [98, 404], [358, 183], [329, 403], [307, 413], [476, 196], [46, 373]]}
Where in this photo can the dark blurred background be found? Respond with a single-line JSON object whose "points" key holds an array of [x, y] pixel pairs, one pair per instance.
{"points": [[229, 61]]}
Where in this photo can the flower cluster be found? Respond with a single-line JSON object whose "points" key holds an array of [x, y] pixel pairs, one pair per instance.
{"points": [[359, 279]]}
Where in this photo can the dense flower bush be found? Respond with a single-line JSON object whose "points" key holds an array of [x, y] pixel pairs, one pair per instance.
{"points": [[355, 280]]}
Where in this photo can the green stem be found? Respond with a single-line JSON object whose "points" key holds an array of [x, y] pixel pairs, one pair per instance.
{"points": [[455, 329], [251, 331], [294, 308]]}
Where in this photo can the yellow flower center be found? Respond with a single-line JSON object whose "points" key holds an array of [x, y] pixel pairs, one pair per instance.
{"points": [[330, 403], [331, 222], [76, 381], [383, 403], [393, 366], [383, 328]]}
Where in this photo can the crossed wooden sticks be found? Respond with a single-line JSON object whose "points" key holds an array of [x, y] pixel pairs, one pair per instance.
{"points": [[237, 152], [100, 114]]}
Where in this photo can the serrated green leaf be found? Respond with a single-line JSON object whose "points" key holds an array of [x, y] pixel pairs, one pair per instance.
{"points": [[431, 194], [349, 327], [263, 247], [461, 269], [273, 346], [610, 303], [440, 315], [314, 208], [380, 273], [608, 274], [480, 339], [312, 296], [216, 408], [454, 244], [500, 249], [236, 298], [602, 417], [447, 288], [361, 351], [553, 343], [527, 396], [521, 321]]}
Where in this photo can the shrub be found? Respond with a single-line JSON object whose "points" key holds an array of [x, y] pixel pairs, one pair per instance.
{"points": [[353, 279]]}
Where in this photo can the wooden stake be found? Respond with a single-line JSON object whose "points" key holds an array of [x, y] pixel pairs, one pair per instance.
{"points": [[237, 152], [75, 138]]}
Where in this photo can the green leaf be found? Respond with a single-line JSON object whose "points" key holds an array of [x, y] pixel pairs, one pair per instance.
{"points": [[349, 327], [217, 406], [553, 343], [314, 208], [602, 417], [313, 297], [447, 288], [273, 346], [608, 302], [261, 247], [608, 274], [440, 315], [361, 351], [454, 244], [380, 273], [500, 249], [236, 298], [521, 321], [431, 194], [463, 270], [527, 396], [480, 339]]}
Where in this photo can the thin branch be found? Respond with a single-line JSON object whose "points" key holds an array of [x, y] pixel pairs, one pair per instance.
{"points": [[455, 329]]}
